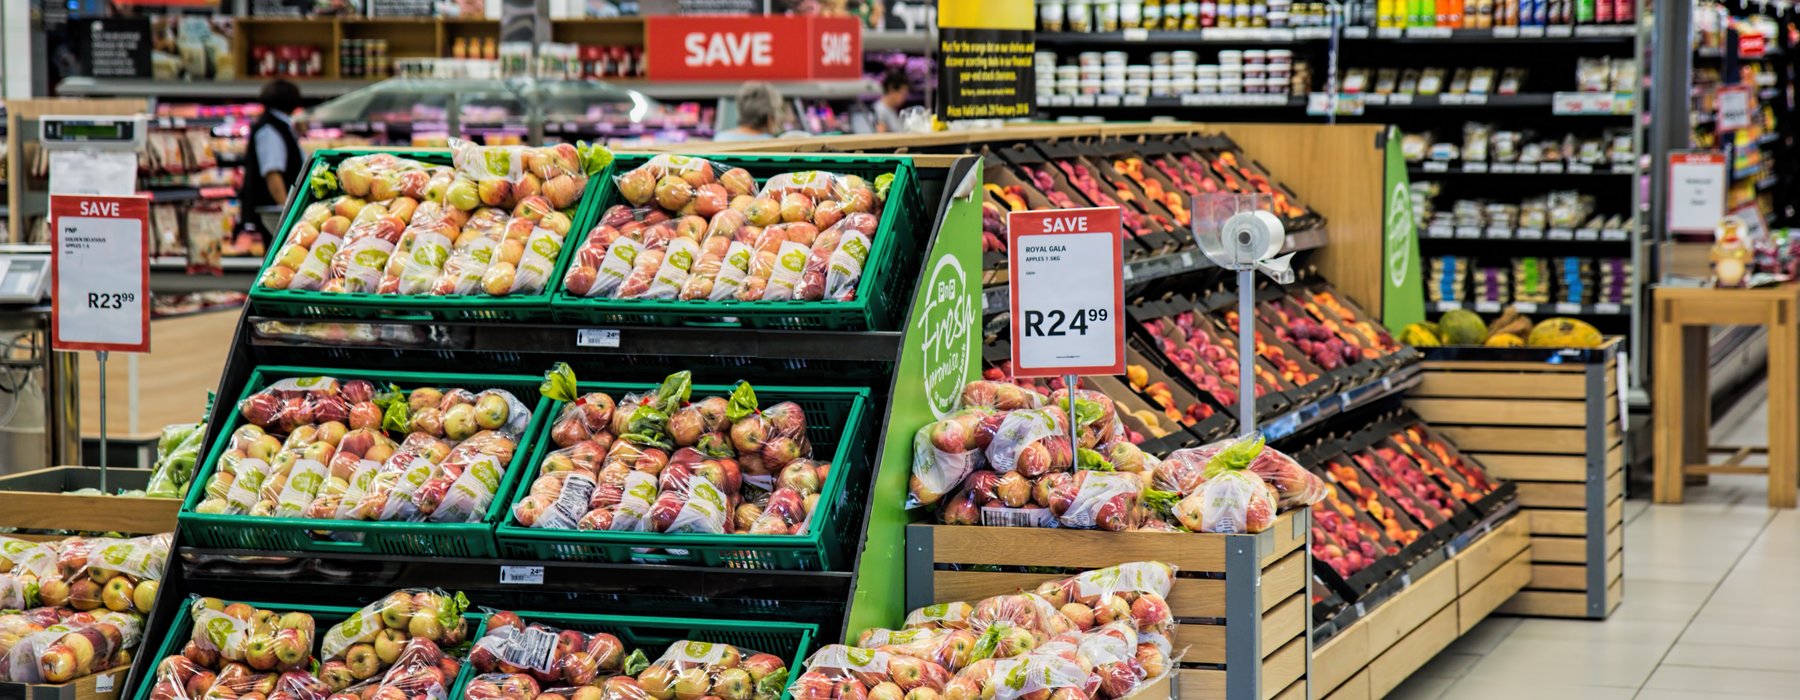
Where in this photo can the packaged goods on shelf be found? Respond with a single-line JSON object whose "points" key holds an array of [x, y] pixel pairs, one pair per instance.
{"points": [[1448, 279]]}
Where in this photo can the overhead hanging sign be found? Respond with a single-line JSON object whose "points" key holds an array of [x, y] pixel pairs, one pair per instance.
{"points": [[1066, 268], [100, 273], [1696, 191], [737, 47], [1736, 104], [986, 62]]}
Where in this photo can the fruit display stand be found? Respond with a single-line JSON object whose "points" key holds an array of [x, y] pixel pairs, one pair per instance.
{"points": [[916, 353], [106, 685], [39, 500], [1547, 419], [1386, 643], [1241, 600]]}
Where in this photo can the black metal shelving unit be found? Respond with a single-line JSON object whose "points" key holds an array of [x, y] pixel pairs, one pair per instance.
{"points": [[616, 353]]}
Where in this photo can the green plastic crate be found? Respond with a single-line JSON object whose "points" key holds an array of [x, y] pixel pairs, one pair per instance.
{"points": [[471, 307], [181, 628], [789, 640], [838, 427], [374, 537], [882, 294]]}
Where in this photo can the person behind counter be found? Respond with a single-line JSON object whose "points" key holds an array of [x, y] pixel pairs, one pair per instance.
{"points": [[759, 110], [272, 163]]}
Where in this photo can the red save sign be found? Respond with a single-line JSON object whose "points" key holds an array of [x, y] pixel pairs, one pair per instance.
{"points": [[1752, 45], [737, 47], [100, 273]]}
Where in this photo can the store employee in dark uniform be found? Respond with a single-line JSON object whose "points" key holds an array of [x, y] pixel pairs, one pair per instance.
{"points": [[272, 162]]}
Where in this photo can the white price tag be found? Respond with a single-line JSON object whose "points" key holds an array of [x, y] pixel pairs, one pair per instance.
{"points": [[1506, 32], [100, 272], [1531, 32], [1436, 166], [1084, 100], [1529, 234], [1696, 191], [522, 575], [1440, 231], [1067, 301], [1428, 33], [1613, 234], [1560, 30], [1504, 167], [1500, 233], [1475, 166], [1135, 100], [1607, 308], [1400, 98], [1587, 234], [104, 684], [1552, 168], [1488, 307], [1563, 307], [1107, 100], [1356, 32], [1468, 232], [1735, 107], [1137, 34], [1525, 307], [597, 337], [1561, 234], [1580, 168]]}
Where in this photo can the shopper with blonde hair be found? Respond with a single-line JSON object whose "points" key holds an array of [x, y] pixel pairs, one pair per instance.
{"points": [[759, 113]]}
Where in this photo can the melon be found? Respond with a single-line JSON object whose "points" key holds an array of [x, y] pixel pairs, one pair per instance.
{"points": [[1504, 340], [1462, 327], [1563, 332]]}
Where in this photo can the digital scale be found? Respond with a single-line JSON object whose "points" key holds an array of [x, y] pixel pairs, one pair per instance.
{"points": [[24, 274], [92, 154]]}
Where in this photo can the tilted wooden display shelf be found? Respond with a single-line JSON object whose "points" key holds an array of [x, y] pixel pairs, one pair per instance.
{"points": [[1547, 419], [1241, 600], [36, 500], [1370, 658]]}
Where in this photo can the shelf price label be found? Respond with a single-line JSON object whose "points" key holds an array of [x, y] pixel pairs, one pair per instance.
{"points": [[1065, 267], [100, 273]]}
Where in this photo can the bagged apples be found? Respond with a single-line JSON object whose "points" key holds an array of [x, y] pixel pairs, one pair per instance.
{"points": [[420, 670], [839, 671], [68, 650], [1231, 499], [549, 656], [1137, 591], [950, 648], [691, 669], [1033, 441], [263, 640], [945, 452], [373, 637], [1030, 676]]}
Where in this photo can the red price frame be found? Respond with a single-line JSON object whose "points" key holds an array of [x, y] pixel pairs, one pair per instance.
{"points": [[131, 207], [1024, 224]]}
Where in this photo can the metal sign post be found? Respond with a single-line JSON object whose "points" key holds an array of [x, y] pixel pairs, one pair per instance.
{"points": [[1238, 233]]}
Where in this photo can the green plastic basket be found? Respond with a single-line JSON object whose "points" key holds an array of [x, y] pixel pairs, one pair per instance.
{"points": [[247, 532], [839, 429], [789, 640], [181, 628], [471, 307], [881, 293]]}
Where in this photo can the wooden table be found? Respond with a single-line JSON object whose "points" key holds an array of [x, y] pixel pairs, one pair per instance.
{"points": [[1683, 417]]}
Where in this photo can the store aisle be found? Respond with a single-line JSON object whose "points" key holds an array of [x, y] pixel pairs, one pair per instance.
{"points": [[1709, 610]]}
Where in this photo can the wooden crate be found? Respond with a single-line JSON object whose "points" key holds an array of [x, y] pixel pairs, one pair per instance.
{"points": [[1549, 421], [35, 501], [104, 685], [1241, 600], [1371, 657]]}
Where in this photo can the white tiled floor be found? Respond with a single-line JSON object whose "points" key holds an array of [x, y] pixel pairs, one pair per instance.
{"points": [[1712, 610]]}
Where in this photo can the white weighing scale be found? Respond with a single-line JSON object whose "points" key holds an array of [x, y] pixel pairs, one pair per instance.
{"points": [[89, 155], [24, 274]]}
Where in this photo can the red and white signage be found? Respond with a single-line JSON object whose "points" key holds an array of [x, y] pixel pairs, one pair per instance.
{"points": [[100, 273], [1068, 291], [1752, 45], [738, 47], [1696, 191]]}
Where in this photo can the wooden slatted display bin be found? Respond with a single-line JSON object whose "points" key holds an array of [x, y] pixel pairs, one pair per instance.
{"points": [[1549, 420], [1371, 657], [1241, 600]]}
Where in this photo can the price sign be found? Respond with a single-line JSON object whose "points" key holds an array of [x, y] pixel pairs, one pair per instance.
{"points": [[1735, 107], [1696, 191], [100, 273], [1068, 293]]}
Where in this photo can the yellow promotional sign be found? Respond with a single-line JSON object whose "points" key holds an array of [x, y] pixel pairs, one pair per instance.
{"points": [[987, 14]]}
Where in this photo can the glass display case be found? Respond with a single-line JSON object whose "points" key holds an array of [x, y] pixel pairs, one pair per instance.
{"points": [[428, 111]]}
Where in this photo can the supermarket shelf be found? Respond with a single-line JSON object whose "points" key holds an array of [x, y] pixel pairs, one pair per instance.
{"points": [[1502, 233], [232, 264], [1310, 414], [563, 339], [1435, 101], [307, 576], [706, 90], [214, 89], [1177, 39], [897, 41], [997, 299], [189, 194], [1560, 34], [1191, 100], [1772, 50], [1442, 168], [1530, 308]]}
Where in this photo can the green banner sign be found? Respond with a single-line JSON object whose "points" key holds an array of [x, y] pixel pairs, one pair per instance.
{"points": [[940, 353], [1402, 292]]}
